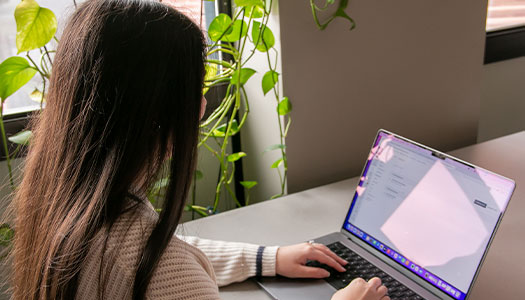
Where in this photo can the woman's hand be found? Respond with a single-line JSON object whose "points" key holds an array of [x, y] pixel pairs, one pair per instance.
{"points": [[291, 261], [359, 289]]}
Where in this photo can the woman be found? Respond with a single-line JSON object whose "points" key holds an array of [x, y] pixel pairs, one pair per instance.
{"points": [[125, 94]]}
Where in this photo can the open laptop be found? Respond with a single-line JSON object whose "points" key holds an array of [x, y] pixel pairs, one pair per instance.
{"points": [[421, 220]]}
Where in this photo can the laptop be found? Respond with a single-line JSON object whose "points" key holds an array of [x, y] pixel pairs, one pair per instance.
{"points": [[420, 220]]}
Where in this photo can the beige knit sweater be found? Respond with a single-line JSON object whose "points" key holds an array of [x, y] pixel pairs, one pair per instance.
{"points": [[190, 268]]}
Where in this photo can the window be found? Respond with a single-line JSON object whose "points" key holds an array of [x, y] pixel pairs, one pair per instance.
{"points": [[19, 105], [505, 30], [504, 14], [20, 102]]}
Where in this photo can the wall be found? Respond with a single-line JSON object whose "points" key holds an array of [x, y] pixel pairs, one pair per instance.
{"points": [[413, 67], [502, 99]]}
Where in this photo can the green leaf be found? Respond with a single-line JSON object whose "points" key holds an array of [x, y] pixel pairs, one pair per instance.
{"points": [[342, 14], [157, 187], [277, 163], [35, 25], [15, 72], [161, 183], [236, 156], [248, 184], [246, 73], [211, 71], [198, 174], [339, 13], [240, 3], [36, 95], [6, 235], [219, 27], [239, 30], [21, 138], [263, 41], [255, 11], [274, 147], [203, 211], [269, 80], [221, 130], [284, 107]]}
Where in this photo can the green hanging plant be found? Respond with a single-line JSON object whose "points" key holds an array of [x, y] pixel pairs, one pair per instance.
{"points": [[339, 13]]}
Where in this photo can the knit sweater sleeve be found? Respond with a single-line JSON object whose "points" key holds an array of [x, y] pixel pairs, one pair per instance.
{"points": [[183, 272], [234, 262]]}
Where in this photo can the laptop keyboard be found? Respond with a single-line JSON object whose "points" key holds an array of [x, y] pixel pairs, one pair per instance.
{"points": [[360, 267]]}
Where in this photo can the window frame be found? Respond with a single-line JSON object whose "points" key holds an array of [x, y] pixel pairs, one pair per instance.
{"points": [[504, 44]]}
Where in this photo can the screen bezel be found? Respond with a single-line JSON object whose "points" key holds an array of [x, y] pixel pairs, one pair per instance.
{"points": [[374, 251]]}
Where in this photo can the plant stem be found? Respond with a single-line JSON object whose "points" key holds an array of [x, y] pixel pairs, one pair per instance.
{"points": [[219, 62], [252, 52], [48, 56], [43, 92], [218, 110], [228, 188], [6, 149], [220, 49], [282, 134], [35, 65], [230, 101]]}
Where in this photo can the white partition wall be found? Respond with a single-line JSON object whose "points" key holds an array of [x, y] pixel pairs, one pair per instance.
{"points": [[412, 67]]}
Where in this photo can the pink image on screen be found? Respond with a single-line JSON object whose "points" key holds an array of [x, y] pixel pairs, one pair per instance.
{"points": [[372, 152], [383, 152], [360, 190], [439, 216], [501, 198]]}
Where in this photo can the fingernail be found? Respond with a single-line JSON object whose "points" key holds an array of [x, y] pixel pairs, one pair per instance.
{"points": [[326, 273]]}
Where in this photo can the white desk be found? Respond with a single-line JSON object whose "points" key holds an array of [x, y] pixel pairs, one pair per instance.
{"points": [[313, 213]]}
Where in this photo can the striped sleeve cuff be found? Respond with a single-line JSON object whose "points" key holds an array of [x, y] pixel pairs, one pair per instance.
{"points": [[269, 256]]}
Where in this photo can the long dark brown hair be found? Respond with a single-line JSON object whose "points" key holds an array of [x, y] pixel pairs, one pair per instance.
{"points": [[125, 94]]}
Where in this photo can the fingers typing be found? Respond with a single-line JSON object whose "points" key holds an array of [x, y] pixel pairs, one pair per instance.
{"points": [[331, 254], [322, 257]]}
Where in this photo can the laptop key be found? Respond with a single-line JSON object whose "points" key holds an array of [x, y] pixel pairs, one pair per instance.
{"points": [[402, 288], [360, 267], [396, 295]]}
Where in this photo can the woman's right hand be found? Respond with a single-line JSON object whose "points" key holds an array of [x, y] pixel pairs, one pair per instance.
{"points": [[359, 289]]}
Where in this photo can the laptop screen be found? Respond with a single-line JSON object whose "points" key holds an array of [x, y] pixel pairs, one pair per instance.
{"points": [[429, 212]]}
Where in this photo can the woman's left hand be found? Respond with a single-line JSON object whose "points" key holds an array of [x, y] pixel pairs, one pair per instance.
{"points": [[291, 260]]}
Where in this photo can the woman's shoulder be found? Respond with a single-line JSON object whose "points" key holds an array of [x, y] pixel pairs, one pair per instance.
{"points": [[182, 272], [131, 231]]}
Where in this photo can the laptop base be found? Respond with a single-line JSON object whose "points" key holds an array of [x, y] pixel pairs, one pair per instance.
{"points": [[313, 289]]}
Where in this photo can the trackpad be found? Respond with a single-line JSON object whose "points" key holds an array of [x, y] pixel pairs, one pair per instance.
{"points": [[284, 288]]}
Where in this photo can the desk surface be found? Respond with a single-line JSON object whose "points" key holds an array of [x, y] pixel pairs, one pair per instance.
{"points": [[316, 212]]}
